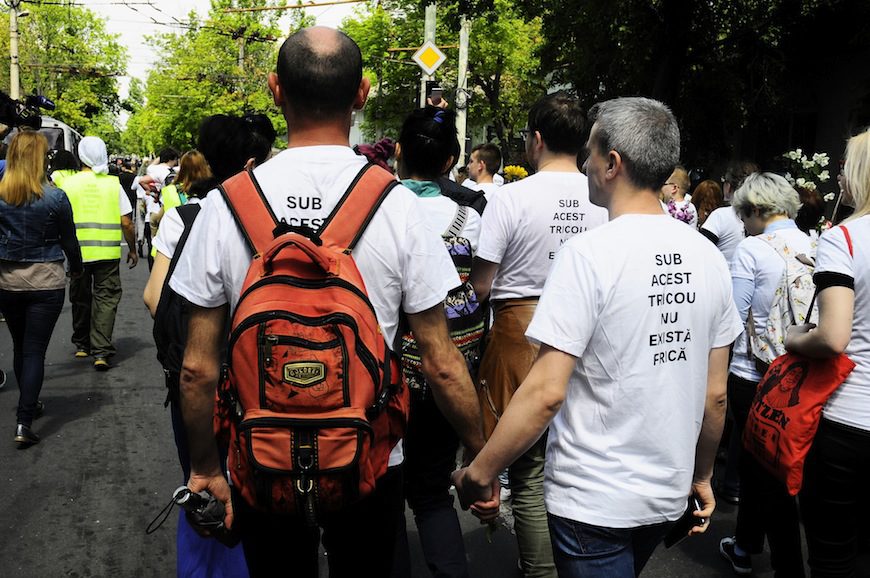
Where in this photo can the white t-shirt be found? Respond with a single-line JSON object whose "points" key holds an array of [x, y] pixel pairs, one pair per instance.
{"points": [[727, 226], [159, 171], [850, 404], [124, 202], [640, 301], [171, 229], [756, 261], [525, 224], [487, 189], [402, 262], [440, 212]]}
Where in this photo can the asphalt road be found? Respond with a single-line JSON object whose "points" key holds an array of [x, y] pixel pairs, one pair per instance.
{"points": [[77, 504]]}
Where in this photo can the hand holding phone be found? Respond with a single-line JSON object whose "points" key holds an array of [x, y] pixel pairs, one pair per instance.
{"points": [[682, 527]]}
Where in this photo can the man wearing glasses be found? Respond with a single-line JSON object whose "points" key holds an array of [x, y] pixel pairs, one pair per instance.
{"points": [[523, 227]]}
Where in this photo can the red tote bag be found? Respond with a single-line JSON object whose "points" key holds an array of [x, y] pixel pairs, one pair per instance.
{"points": [[787, 407]]}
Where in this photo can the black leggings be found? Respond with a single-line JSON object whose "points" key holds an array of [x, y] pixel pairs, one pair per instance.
{"points": [[835, 500]]}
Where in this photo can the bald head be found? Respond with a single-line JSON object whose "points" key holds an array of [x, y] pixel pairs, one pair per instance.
{"points": [[319, 70]]}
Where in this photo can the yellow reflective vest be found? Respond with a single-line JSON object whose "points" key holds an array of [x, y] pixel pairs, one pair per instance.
{"points": [[58, 177], [97, 214]]}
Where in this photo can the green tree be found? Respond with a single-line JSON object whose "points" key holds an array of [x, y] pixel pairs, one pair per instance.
{"points": [[67, 55], [504, 76], [218, 66], [735, 72]]}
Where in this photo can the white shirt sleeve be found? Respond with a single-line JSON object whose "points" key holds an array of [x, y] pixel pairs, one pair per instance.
{"points": [[495, 230], [743, 265], [472, 229], [199, 275], [124, 201], [714, 223], [572, 280], [832, 255], [428, 273], [727, 325], [171, 228]]}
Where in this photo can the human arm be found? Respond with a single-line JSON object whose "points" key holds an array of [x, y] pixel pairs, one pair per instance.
{"points": [[482, 275], [69, 242], [835, 284], [447, 375], [711, 432], [532, 408], [154, 287], [200, 372], [130, 238], [834, 330]]}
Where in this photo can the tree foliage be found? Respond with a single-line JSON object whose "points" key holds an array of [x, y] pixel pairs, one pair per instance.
{"points": [[734, 71], [504, 78], [66, 54], [220, 65]]}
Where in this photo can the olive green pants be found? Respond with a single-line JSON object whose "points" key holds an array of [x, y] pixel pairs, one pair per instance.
{"points": [[94, 297]]}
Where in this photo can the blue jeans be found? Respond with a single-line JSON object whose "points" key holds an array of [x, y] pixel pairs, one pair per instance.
{"points": [[587, 551], [31, 317]]}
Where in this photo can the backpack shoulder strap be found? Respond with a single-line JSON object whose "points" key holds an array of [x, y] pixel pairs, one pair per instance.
{"points": [[188, 214], [250, 209], [347, 222], [455, 228]]}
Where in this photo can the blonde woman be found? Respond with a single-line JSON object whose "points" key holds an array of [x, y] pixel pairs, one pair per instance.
{"points": [[835, 477], [36, 231]]}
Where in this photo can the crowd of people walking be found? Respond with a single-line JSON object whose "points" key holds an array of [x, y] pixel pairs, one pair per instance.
{"points": [[337, 325]]}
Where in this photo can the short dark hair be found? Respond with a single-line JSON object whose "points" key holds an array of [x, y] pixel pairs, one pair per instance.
{"points": [[318, 83], [490, 155], [264, 135], [737, 171], [560, 120], [168, 154], [428, 140], [63, 160], [227, 142]]}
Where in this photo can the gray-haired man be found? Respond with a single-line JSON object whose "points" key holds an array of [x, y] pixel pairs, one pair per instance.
{"points": [[634, 324]]}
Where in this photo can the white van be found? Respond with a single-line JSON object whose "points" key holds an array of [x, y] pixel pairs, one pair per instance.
{"points": [[60, 135]]}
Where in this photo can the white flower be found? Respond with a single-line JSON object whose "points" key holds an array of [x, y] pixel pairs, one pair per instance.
{"points": [[807, 164], [790, 179], [829, 197], [810, 186], [824, 176], [821, 159], [801, 182], [798, 153], [793, 155]]}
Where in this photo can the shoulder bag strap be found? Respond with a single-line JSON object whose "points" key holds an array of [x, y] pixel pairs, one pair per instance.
{"points": [[455, 228], [848, 239], [347, 222], [188, 214], [250, 209]]}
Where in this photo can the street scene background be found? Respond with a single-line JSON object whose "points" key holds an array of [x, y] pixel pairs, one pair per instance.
{"points": [[77, 504]]}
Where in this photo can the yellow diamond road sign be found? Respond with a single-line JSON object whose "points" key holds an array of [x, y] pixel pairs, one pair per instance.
{"points": [[429, 57]]}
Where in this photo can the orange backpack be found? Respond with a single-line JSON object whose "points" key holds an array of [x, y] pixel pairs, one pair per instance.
{"points": [[312, 400]]}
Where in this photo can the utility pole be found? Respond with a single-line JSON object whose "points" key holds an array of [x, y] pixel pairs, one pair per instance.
{"points": [[428, 35], [462, 87], [14, 85]]}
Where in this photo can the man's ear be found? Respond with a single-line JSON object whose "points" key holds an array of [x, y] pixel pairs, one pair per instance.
{"points": [[362, 93], [275, 89], [614, 164]]}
